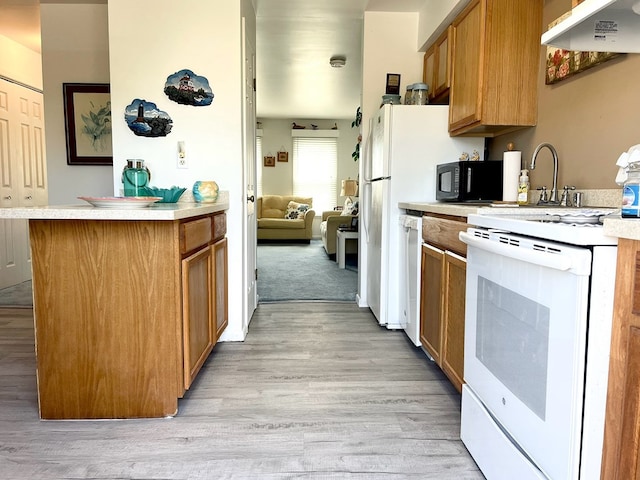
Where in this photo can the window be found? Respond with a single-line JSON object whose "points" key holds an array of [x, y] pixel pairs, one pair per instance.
{"points": [[258, 186], [315, 161]]}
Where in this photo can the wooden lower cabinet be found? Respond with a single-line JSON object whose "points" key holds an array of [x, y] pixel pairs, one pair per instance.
{"points": [[125, 312], [431, 301], [197, 311], [204, 302], [453, 301], [442, 300], [221, 307], [621, 452]]}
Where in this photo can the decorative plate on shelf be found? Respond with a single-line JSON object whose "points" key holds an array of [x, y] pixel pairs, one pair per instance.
{"points": [[121, 202]]}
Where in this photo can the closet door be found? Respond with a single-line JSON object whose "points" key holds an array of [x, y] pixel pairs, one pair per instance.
{"points": [[23, 176]]}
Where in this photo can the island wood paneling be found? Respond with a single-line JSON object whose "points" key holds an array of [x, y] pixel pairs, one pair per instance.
{"points": [[108, 328], [621, 452]]}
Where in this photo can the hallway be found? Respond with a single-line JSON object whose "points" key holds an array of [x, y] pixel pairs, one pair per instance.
{"points": [[316, 391]]}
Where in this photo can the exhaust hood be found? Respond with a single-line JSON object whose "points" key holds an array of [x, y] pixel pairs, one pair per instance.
{"points": [[599, 26]]}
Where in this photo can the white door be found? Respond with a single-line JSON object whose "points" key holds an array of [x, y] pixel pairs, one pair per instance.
{"points": [[249, 133], [22, 174]]}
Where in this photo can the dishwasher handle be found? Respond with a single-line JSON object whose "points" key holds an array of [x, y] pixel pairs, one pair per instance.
{"points": [[550, 260]]}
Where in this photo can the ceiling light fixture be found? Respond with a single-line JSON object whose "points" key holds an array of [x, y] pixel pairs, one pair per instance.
{"points": [[338, 61]]}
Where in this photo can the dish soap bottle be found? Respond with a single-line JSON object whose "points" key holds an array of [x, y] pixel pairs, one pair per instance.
{"points": [[523, 187]]}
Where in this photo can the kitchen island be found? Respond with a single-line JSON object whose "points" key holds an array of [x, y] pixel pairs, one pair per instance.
{"points": [[128, 304]]}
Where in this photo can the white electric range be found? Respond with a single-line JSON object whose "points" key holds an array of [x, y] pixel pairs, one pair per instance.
{"points": [[539, 305], [566, 225]]}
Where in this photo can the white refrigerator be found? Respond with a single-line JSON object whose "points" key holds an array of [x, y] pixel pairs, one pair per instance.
{"points": [[407, 142]]}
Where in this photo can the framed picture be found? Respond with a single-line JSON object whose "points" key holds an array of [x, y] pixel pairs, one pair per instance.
{"points": [[87, 122], [283, 156], [393, 84], [269, 161]]}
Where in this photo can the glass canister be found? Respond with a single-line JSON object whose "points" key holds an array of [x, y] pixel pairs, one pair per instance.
{"points": [[631, 192], [408, 96], [420, 94], [135, 176]]}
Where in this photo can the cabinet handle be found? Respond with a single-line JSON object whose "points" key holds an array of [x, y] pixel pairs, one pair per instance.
{"points": [[28, 197], [8, 197], [251, 199]]}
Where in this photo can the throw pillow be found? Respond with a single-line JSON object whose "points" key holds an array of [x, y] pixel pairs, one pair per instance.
{"points": [[296, 210], [350, 208]]}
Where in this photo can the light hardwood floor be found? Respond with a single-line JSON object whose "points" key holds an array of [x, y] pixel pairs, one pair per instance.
{"points": [[316, 391]]}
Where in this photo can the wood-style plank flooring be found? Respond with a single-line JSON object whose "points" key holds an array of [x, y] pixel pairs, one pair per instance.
{"points": [[316, 391]]}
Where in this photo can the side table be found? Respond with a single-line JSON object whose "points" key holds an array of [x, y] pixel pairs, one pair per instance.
{"points": [[341, 238]]}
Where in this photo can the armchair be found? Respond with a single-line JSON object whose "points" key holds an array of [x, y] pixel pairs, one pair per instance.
{"points": [[331, 220]]}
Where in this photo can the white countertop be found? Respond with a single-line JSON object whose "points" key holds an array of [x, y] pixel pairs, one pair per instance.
{"points": [[613, 225], [622, 227], [457, 209], [157, 211]]}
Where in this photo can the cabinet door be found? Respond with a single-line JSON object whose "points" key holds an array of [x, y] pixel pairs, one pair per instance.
{"points": [[454, 286], [221, 308], [428, 70], [621, 452], [443, 64], [431, 301], [467, 56], [199, 331]]}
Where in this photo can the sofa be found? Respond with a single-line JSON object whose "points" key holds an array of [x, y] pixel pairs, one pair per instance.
{"points": [[331, 220], [285, 217]]}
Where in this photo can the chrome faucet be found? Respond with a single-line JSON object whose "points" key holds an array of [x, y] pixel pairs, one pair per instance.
{"points": [[553, 196]]}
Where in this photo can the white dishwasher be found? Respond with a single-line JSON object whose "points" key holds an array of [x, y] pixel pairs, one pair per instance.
{"points": [[410, 265]]}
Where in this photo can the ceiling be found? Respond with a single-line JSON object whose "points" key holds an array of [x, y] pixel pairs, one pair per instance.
{"points": [[295, 40]]}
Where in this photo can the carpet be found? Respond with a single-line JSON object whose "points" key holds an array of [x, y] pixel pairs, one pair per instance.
{"points": [[17, 295], [290, 272]]}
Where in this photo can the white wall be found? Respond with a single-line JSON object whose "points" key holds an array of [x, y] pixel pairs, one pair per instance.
{"points": [[75, 49], [152, 39], [435, 16], [389, 46], [276, 136], [19, 63]]}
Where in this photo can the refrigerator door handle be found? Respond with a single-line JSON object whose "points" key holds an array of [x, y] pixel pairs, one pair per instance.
{"points": [[365, 208], [377, 179]]}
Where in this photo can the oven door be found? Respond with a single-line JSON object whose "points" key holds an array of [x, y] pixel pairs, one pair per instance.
{"points": [[525, 336]]}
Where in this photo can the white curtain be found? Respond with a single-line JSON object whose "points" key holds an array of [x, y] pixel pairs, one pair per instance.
{"points": [[315, 162]]}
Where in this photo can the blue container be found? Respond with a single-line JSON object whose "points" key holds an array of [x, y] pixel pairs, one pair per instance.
{"points": [[135, 177]]}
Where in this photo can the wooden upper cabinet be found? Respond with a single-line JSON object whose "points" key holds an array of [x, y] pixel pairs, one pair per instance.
{"points": [[429, 69], [443, 65], [495, 55], [437, 68]]}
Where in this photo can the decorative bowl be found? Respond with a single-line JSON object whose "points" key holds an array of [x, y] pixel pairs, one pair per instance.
{"points": [[168, 195], [205, 191]]}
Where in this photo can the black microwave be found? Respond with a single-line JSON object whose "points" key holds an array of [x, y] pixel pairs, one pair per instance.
{"points": [[469, 181]]}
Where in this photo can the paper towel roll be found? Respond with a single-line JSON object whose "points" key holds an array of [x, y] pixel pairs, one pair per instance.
{"points": [[510, 175]]}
